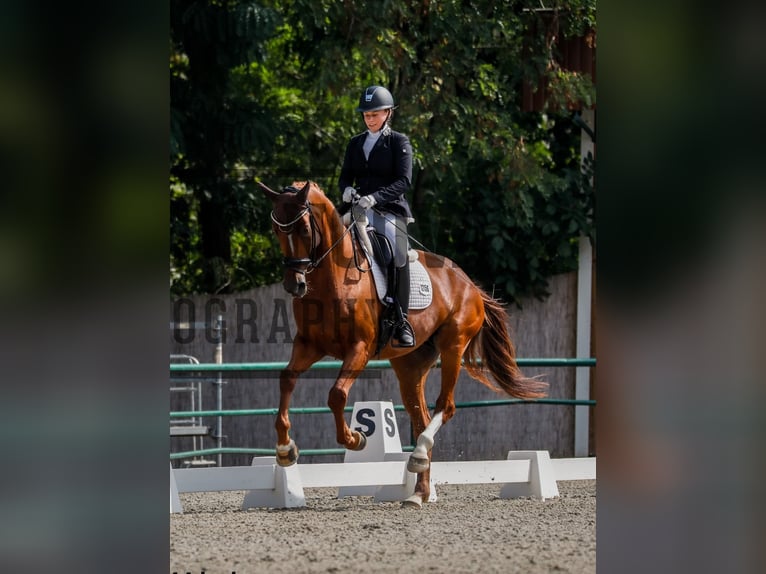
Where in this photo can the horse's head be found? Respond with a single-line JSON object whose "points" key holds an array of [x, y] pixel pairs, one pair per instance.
{"points": [[296, 230]]}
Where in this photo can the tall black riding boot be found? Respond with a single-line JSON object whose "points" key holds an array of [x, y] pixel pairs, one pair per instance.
{"points": [[404, 336]]}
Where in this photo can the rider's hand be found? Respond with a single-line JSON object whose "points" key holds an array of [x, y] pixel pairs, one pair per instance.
{"points": [[367, 201], [348, 194]]}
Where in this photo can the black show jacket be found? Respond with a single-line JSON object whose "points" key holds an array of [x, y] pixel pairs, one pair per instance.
{"points": [[387, 174]]}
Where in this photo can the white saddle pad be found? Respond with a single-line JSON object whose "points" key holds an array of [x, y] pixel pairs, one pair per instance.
{"points": [[421, 292]]}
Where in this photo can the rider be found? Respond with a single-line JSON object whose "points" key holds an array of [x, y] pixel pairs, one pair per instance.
{"points": [[378, 166]]}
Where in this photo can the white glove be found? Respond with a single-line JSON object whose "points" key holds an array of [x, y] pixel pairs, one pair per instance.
{"points": [[367, 201], [348, 194]]}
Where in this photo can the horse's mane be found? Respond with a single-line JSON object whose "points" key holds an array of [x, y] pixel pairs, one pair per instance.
{"points": [[314, 190], [316, 196]]}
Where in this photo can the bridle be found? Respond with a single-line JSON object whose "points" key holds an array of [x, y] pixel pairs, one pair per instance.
{"points": [[304, 265], [301, 265]]}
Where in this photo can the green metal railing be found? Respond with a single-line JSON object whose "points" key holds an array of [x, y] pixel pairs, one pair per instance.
{"points": [[375, 364], [316, 410]]}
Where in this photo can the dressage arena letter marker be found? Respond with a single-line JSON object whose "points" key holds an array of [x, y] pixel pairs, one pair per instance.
{"points": [[376, 419]]}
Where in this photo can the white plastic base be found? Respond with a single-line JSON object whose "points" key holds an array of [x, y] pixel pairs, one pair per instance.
{"points": [[524, 474], [287, 491], [542, 480]]}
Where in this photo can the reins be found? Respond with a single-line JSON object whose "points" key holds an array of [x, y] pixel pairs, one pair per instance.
{"points": [[311, 262], [357, 245]]}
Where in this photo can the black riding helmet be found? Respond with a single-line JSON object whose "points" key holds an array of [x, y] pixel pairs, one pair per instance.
{"points": [[375, 98]]}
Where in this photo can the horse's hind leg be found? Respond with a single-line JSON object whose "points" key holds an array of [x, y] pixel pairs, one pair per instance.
{"points": [[302, 358], [412, 371], [451, 344]]}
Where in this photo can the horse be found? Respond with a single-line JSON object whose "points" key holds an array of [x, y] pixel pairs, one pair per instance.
{"points": [[336, 312]]}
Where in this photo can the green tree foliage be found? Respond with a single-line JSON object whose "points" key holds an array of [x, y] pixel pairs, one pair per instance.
{"points": [[500, 191], [214, 127]]}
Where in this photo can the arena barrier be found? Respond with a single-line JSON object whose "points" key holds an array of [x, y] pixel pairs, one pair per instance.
{"points": [[581, 404], [382, 472]]}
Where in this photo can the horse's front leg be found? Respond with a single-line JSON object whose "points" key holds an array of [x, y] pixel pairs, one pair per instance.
{"points": [[302, 358], [352, 367]]}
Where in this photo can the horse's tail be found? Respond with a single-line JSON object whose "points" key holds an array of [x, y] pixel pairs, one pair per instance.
{"points": [[492, 351]]}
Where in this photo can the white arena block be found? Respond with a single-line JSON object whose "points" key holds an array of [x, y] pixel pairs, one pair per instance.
{"points": [[284, 491], [289, 482], [581, 468], [353, 474], [523, 474], [175, 500], [481, 471], [541, 480], [217, 479], [377, 421]]}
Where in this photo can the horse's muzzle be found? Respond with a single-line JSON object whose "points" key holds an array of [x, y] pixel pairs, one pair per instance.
{"points": [[295, 283]]}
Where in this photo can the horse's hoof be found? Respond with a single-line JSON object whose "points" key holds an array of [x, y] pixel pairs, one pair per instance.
{"points": [[414, 501], [417, 465], [288, 456], [362, 441]]}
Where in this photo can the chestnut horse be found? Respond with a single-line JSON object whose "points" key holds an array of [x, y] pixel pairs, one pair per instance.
{"points": [[339, 318]]}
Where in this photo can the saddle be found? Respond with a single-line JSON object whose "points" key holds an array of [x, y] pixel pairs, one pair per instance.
{"points": [[383, 254]]}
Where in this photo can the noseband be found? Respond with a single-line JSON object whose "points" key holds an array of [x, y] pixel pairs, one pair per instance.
{"points": [[300, 265]]}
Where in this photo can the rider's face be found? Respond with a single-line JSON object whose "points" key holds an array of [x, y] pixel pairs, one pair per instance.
{"points": [[375, 120]]}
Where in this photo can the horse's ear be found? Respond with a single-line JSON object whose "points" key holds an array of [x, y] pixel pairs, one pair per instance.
{"points": [[304, 192], [268, 192]]}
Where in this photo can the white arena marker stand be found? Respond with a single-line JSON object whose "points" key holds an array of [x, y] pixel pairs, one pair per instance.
{"points": [[377, 420], [525, 474], [542, 480], [287, 491], [175, 500]]}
